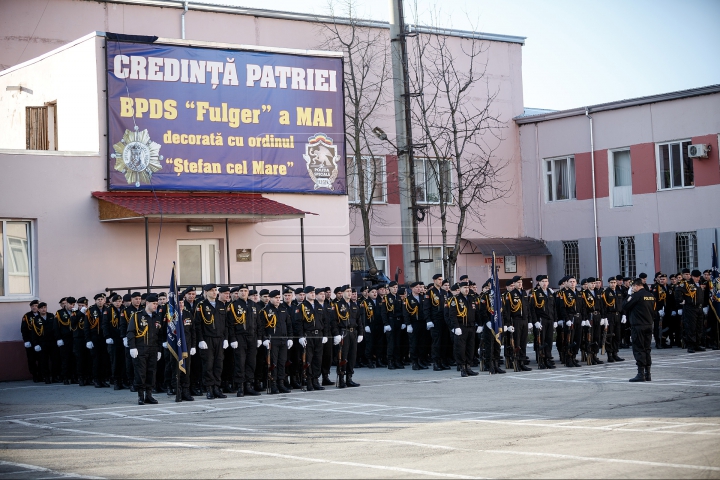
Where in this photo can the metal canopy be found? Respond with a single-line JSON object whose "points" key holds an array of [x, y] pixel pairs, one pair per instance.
{"points": [[506, 246]]}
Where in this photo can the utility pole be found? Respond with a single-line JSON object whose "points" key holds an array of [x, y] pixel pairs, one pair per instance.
{"points": [[403, 129]]}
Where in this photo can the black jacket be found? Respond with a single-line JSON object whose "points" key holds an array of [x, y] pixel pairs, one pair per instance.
{"points": [[144, 332], [641, 308]]}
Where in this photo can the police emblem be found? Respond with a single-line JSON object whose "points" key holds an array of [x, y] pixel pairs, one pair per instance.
{"points": [[321, 159], [137, 157]]}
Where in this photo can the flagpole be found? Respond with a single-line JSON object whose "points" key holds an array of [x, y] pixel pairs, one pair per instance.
{"points": [[178, 393]]}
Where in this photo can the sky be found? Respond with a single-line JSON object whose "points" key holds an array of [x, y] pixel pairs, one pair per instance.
{"points": [[577, 52]]}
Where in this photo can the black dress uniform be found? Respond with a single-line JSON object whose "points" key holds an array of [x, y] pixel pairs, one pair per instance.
{"points": [[93, 333], [542, 310], [389, 308], [327, 355], [126, 314], [515, 315], [278, 327], [27, 338], [640, 306], [374, 334], [116, 349], [434, 312], [612, 310], [568, 312], [590, 314], [186, 320], [349, 326], [77, 322], [64, 340], [464, 318], [211, 332], [309, 316], [42, 340], [144, 336], [491, 342], [661, 326], [689, 299], [412, 313], [242, 330]]}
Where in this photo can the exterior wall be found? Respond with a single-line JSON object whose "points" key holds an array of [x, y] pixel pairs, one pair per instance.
{"points": [[654, 213]]}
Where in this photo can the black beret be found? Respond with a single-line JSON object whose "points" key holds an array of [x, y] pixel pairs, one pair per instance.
{"points": [[642, 275], [274, 293], [516, 278], [626, 279], [34, 302], [42, 304], [243, 286], [611, 279], [540, 278], [208, 287], [590, 279], [126, 297], [328, 289], [234, 289], [463, 284], [618, 277], [299, 290], [446, 281], [143, 296], [695, 273], [307, 289], [415, 284], [561, 281], [381, 285], [252, 292], [454, 287], [508, 283], [115, 298], [372, 287], [82, 300], [363, 289], [288, 290], [437, 275], [685, 270], [471, 283], [345, 287], [70, 300], [392, 284], [223, 289], [337, 290], [463, 277], [162, 294], [264, 291], [64, 299], [187, 290], [319, 290], [583, 281], [401, 291], [354, 290], [151, 297], [570, 277]]}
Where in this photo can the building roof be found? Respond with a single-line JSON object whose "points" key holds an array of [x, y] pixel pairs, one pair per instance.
{"points": [[632, 102], [307, 17], [507, 246], [240, 207]]}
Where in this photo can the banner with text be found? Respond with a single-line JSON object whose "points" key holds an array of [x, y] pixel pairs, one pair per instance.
{"points": [[186, 118]]}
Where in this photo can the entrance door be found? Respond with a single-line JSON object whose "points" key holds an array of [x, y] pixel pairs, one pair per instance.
{"points": [[198, 261]]}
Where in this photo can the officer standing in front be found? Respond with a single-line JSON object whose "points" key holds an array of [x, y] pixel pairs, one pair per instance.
{"points": [[144, 340], [211, 334], [640, 305]]}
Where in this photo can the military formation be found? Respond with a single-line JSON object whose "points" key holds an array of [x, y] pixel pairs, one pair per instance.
{"points": [[243, 341]]}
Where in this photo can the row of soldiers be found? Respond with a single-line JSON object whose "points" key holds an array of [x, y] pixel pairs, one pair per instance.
{"points": [[249, 341]]}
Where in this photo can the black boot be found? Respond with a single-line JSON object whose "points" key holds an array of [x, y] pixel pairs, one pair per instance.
{"points": [[210, 393], [549, 364], [218, 393], [149, 398], [399, 365], [350, 382], [381, 364], [295, 383], [391, 364], [640, 377], [648, 378], [524, 368], [132, 388], [575, 362], [470, 371], [141, 398], [274, 388], [315, 384], [282, 388], [371, 364], [341, 381], [463, 373], [437, 368], [416, 365], [616, 358], [258, 386], [186, 397], [117, 386], [497, 368], [249, 390], [170, 391], [326, 380]]}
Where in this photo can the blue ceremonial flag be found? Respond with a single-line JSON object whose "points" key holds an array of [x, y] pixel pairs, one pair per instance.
{"points": [[176, 330], [497, 298], [715, 285]]}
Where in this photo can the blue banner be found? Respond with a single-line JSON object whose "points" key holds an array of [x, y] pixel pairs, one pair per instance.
{"points": [[176, 330], [497, 298], [188, 118]]}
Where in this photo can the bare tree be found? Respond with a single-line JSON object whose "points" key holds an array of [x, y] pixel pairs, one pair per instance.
{"points": [[453, 115], [366, 73]]}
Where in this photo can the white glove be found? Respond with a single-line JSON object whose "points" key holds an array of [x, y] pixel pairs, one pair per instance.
{"points": [[429, 325], [159, 355], [560, 323], [679, 311], [586, 323], [38, 348], [510, 329], [266, 343], [28, 344], [457, 331], [489, 325], [125, 342], [661, 312], [402, 327], [234, 344], [705, 310], [674, 313], [83, 310], [109, 341], [202, 345], [336, 340], [259, 342], [409, 329], [289, 343], [479, 329], [303, 342], [225, 344], [74, 309], [530, 325], [538, 325], [360, 338], [193, 351], [60, 343], [387, 328], [164, 344], [90, 345], [324, 340], [555, 324], [367, 328], [133, 352], [624, 319]]}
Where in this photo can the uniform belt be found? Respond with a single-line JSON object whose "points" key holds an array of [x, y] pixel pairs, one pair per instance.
{"points": [[350, 329], [314, 332]]}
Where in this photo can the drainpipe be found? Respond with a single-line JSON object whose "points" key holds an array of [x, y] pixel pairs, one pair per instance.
{"points": [[592, 169], [183, 21]]}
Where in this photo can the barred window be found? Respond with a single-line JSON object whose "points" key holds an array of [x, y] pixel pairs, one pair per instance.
{"points": [[686, 248], [571, 258], [626, 251]]}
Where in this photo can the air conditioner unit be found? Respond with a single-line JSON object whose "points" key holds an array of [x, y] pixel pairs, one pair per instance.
{"points": [[698, 151]]}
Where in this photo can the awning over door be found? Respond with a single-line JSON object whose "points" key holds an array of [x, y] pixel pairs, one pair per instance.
{"points": [[177, 206], [506, 246]]}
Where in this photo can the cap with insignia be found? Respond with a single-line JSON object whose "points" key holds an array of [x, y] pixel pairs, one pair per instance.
{"points": [[299, 290], [611, 279], [209, 286], [463, 284], [372, 287], [540, 278], [234, 289], [642, 275], [337, 290], [34, 302], [82, 300], [364, 288], [392, 284], [685, 270], [162, 294], [143, 296], [509, 282], [346, 287], [287, 290], [695, 273], [446, 282], [42, 304], [115, 298], [463, 277], [308, 289], [99, 295], [401, 291], [618, 277], [274, 293], [591, 279], [455, 287], [328, 289], [243, 286], [415, 284], [64, 299], [151, 297], [516, 278], [319, 290]]}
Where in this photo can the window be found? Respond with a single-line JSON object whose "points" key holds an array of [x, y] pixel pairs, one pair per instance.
{"points": [[15, 259], [359, 262], [571, 258], [429, 173], [626, 251], [560, 179], [435, 265], [686, 250], [41, 127], [198, 261], [375, 180], [621, 178], [674, 166]]}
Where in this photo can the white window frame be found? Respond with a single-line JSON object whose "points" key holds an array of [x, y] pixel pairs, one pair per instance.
{"points": [[423, 161], [353, 192], [658, 169], [377, 257], [611, 176], [32, 262], [422, 253], [205, 259], [551, 171]]}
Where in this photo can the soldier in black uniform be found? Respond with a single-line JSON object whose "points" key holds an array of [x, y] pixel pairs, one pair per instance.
{"points": [[330, 317], [412, 313], [542, 311], [27, 338], [590, 321], [127, 312], [314, 333], [211, 333], [276, 332], [689, 297], [434, 313], [243, 333], [144, 340], [294, 371], [64, 339], [373, 328], [661, 291], [347, 330], [94, 341], [113, 340], [568, 312], [186, 320], [389, 308], [42, 340], [261, 300], [77, 322], [463, 321], [515, 317], [190, 303], [612, 300], [640, 305]]}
